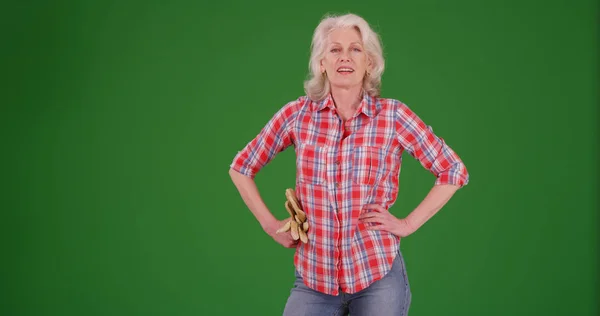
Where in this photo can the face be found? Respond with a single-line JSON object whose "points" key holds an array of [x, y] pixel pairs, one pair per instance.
{"points": [[345, 59]]}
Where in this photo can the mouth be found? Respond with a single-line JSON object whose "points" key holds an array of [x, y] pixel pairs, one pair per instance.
{"points": [[345, 70]]}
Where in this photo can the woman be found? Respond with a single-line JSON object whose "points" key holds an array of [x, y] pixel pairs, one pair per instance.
{"points": [[348, 142]]}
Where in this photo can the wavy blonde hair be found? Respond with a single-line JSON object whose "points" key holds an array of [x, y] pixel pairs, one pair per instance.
{"points": [[317, 85]]}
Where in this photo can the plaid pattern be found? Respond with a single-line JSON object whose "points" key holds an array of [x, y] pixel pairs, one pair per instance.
{"points": [[341, 167]]}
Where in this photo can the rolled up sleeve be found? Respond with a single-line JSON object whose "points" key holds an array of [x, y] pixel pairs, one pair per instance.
{"points": [[432, 152], [273, 138]]}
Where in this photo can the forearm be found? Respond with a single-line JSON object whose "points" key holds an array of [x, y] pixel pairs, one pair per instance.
{"points": [[251, 196], [437, 197]]}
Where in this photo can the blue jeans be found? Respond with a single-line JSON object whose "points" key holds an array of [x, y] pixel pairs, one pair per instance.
{"points": [[388, 296]]}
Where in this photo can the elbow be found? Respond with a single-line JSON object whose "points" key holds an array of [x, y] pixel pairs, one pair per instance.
{"points": [[456, 175], [235, 177], [463, 174], [234, 174]]}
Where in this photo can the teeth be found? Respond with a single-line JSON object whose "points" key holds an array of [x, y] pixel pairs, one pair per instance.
{"points": [[345, 69]]}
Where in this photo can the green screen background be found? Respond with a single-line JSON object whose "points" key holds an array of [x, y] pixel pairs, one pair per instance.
{"points": [[120, 120]]}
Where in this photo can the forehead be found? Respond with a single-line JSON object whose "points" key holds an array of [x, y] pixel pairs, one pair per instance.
{"points": [[344, 36]]}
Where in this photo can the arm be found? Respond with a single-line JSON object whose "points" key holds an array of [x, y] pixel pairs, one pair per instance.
{"points": [[275, 137], [251, 197], [436, 156], [437, 197]]}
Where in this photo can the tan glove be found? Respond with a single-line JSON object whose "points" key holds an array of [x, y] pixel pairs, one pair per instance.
{"points": [[298, 224]]}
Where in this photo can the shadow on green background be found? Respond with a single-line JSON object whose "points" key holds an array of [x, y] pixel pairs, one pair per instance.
{"points": [[120, 119]]}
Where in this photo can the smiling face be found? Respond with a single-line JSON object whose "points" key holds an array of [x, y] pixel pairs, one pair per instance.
{"points": [[345, 59]]}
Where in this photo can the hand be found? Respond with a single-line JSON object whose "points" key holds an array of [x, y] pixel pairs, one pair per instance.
{"points": [[384, 220], [285, 239]]}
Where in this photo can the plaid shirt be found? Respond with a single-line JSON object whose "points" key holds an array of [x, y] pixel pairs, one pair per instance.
{"points": [[340, 167]]}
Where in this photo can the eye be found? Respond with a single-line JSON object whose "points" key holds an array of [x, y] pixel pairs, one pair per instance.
{"points": [[335, 50], [356, 49]]}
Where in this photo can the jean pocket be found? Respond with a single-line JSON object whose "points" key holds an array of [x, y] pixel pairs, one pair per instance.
{"points": [[402, 267], [311, 164]]}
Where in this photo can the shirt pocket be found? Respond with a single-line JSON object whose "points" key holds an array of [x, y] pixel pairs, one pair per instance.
{"points": [[311, 164], [367, 164]]}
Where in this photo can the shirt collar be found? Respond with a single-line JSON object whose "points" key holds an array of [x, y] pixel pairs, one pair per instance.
{"points": [[367, 104]]}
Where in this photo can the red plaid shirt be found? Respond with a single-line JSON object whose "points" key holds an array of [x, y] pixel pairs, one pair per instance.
{"points": [[341, 167]]}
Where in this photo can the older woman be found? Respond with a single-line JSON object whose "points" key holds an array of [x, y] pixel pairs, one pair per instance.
{"points": [[348, 142]]}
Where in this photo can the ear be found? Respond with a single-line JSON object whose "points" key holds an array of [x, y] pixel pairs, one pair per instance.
{"points": [[322, 68]]}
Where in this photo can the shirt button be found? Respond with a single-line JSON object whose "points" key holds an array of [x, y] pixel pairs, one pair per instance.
{"points": [[338, 184]]}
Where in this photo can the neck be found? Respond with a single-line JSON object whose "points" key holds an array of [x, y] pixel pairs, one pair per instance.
{"points": [[346, 100]]}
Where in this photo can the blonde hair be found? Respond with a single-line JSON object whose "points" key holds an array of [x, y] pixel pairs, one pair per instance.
{"points": [[317, 85]]}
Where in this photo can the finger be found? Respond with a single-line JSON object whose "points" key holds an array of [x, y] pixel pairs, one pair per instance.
{"points": [[377, 227], [369, 215], [290, 242], [375, 207], [372, 220]]}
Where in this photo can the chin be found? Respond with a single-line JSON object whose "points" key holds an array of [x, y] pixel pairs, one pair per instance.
{"points": [[346, 80], [346, 83]]}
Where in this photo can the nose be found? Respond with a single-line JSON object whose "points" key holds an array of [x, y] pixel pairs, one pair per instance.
{"points": [[344, 56], [344, 59]]}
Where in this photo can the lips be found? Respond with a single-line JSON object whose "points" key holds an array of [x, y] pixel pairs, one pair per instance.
{"points": [[345, 70]]}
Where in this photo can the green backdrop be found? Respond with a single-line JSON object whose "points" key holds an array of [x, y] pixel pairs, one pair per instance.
{"points": [[120, 120]]}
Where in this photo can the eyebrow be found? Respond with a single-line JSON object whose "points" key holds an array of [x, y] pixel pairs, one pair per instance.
{"points": [[334, 43]]}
